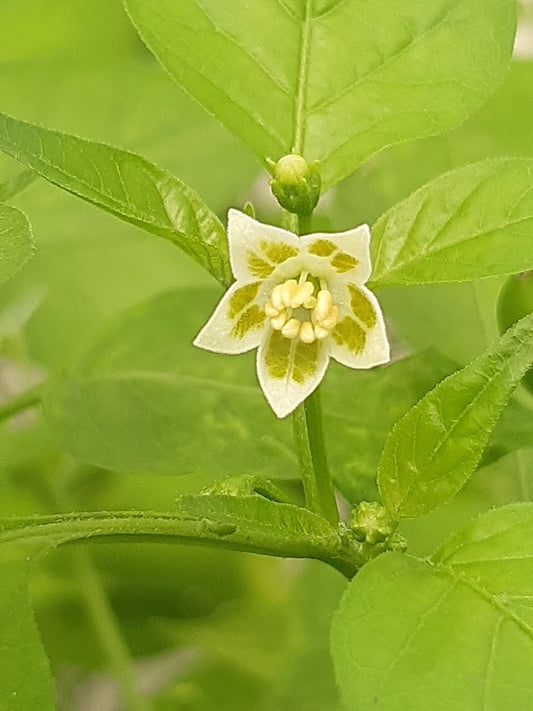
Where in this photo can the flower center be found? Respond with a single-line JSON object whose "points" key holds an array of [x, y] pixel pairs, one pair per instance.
{"points": [[297, 312]]}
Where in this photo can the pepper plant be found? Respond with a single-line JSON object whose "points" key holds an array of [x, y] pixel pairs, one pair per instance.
{"points": [[399, 478]]}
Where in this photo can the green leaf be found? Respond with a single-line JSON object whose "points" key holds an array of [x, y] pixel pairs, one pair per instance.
{"points": [[26, 678], [471, 223], [458, 631], [124, 184], [436, 446], [146, 400], [16, 241], [355, 435], [12, 187], [250, 524], [285, 75]]}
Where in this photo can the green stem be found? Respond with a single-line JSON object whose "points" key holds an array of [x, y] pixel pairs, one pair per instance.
{"points": [[102, 616], [308, 433], [21, 402], [105, 624], [309, 439]]}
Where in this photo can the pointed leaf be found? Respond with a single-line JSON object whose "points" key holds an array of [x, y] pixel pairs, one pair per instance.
{"points": [[468, 224], [16, 241], [124, 184], [457, 631], [336, 79], [435, 447]]}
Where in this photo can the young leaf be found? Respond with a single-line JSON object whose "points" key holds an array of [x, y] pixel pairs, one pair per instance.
{"points": [[436, 446], [336, 81], [16, 241], [468, 224], [26, 680], [124, 184], [458, 631]]}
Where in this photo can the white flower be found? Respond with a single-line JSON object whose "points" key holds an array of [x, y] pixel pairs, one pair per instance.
{"points": [[299, 300]]}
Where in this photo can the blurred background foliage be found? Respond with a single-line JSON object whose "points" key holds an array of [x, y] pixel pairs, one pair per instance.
{"points": [[208, 629]]}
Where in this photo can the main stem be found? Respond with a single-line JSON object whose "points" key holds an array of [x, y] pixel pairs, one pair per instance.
{"points": [[308, 431]]}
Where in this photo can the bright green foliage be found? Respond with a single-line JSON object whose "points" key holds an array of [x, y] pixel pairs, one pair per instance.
{"points": [[145, 400], [436, 446], [124, 184], [334, 80], [361, 408], [455, 634], [470, 223], [25, 679], [16, 241]]}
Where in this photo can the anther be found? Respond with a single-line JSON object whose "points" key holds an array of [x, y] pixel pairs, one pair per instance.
{"points": [[279, 321], [291, 328], [307, 332]]}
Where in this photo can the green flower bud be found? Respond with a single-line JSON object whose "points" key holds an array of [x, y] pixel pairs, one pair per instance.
{"points": [[371, 523], [515, 301], [296, 184]]}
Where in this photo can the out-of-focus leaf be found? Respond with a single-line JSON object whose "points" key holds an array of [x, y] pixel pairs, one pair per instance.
{"points": [[422, 69], [10, 188], [16, 241], [124, 184], [457, 631], [471, 223], [436, 446], [26, 680], [145, 400]]}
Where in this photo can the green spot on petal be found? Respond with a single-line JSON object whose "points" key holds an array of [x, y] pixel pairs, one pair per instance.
{"points": [[278, 252], [362, 307], [259, 267], [350, 334], [277, 355], [241, 298], [252, 318], [343, 262], [322, 248], [305, 361]]}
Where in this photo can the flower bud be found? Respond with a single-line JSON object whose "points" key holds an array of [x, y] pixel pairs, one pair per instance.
{"points": [[370, 522], [296, 184]]}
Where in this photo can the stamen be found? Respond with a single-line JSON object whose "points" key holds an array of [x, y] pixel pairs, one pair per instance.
{"points": [[307, 332], [279, 321], [288, 291], [286, 298], [291, 328]]}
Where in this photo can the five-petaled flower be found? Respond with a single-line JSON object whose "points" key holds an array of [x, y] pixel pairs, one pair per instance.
{"points": [[300, 300]]}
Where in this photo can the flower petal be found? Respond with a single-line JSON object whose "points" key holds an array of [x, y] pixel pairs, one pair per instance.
{"points": [[237, 323], [289, 370], [256, 249], [359, 339], [346, 252]]}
